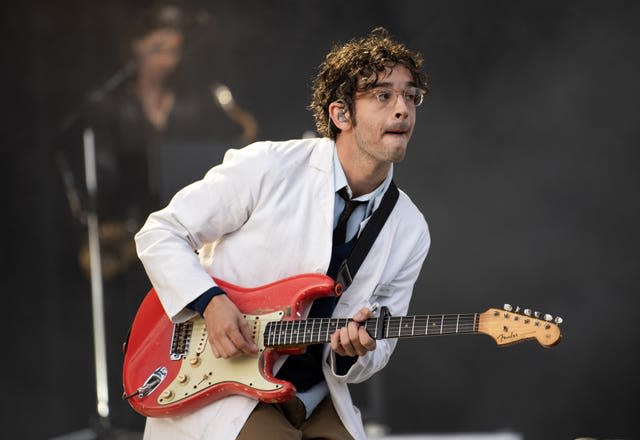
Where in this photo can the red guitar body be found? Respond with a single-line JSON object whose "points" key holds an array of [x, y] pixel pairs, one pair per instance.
{"points": [[183, 379]]}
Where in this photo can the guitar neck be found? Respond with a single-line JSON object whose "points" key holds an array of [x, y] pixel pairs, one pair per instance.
{"points": [[319, 330]]}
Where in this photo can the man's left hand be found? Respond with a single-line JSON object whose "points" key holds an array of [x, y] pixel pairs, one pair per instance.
{"points": [[353, 339]]}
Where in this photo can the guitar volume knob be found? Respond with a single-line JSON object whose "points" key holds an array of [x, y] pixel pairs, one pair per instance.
{"points": [[182, 378], [194, 360]]}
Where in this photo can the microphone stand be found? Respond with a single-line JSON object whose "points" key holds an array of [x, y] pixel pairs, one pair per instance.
{"points": [[97, 294], [102, 427]]}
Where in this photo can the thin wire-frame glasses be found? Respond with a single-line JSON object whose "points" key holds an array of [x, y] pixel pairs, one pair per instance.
{"points": [[412, 95]]}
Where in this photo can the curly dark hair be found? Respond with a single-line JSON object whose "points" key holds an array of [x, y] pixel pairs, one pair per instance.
{"points": [[355, 66]]}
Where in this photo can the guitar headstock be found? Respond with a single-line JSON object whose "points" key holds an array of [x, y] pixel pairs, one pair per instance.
{"points": [[511, 326]]}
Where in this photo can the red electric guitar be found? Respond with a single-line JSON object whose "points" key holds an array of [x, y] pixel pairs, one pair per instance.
{"points": [[170, 369]]}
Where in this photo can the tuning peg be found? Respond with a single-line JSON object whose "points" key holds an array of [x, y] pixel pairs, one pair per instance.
{"points": [[517, 309], [548, 317], [527, 312], [536, 314], [558, 320], [508, 307]]}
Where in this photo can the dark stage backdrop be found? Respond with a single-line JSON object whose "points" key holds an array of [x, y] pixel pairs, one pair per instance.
{"points": [[524, 161]]}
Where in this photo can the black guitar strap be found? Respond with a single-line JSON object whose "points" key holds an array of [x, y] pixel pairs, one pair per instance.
{"points": [[363, 245]]}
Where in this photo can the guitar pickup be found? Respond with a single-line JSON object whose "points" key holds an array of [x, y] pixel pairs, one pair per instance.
{"points": [[180, 340]]}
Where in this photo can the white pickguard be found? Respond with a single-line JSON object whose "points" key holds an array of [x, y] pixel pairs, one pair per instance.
{"points": [[201, 369]]}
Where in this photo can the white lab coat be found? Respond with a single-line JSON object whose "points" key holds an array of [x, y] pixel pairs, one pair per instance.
{"points": [[266, 213]]}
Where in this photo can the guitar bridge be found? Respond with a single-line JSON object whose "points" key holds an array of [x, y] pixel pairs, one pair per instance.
{"points": [[180, 340]]}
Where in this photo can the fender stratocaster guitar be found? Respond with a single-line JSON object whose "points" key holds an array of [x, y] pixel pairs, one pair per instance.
{"points": [[169, 369]]}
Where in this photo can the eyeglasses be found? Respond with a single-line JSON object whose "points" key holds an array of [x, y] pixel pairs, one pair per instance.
{"points": [[413, 96]]}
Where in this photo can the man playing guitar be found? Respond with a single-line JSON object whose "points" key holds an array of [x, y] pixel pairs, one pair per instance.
{"points": [[273, 210]]}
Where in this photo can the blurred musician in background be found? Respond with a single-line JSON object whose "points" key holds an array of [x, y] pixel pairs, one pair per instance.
{"points": [[151, 122]]}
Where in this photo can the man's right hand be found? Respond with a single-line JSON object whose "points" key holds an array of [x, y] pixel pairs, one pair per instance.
{"points": [[229, 333]]}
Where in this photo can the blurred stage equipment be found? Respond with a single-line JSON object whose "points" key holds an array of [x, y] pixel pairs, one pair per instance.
{"points": [[117, 250], [222, 95]]}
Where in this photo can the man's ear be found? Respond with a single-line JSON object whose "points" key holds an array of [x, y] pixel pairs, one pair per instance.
{"points": [[339, 114]]}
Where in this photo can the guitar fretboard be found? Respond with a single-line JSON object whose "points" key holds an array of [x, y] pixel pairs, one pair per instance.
{"points": [[319, 330]]}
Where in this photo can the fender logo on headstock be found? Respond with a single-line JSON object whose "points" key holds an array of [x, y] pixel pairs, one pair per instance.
{"points": [[503, 337], [513, 336]]}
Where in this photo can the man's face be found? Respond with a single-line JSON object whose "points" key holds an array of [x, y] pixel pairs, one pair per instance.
{"points": [[383, 122]]}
